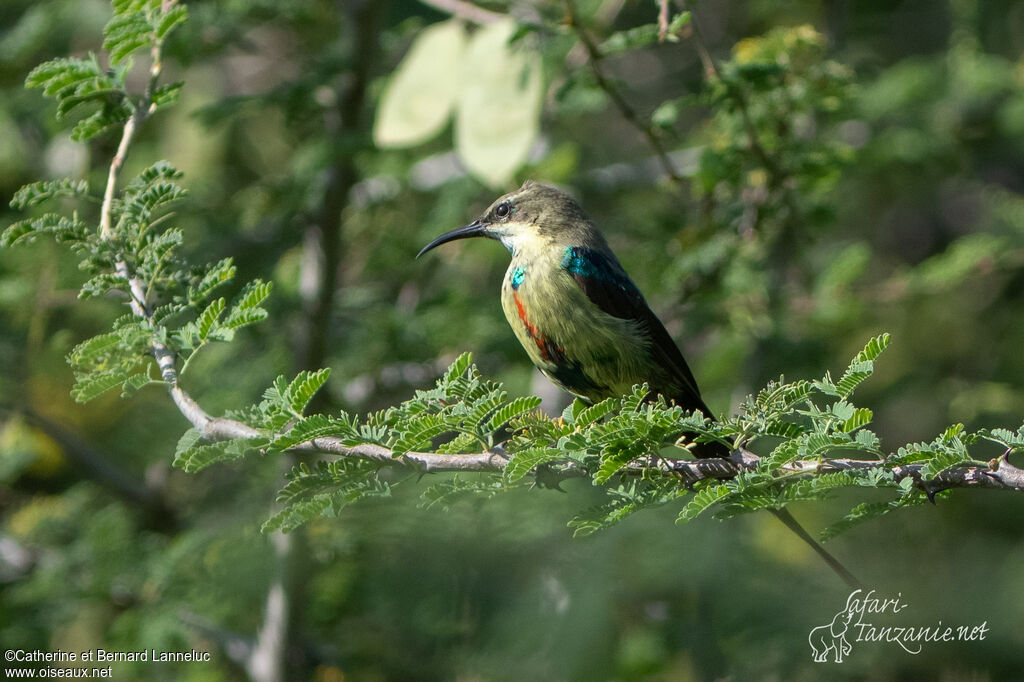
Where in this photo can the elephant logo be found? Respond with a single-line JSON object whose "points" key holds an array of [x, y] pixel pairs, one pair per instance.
{"points": [[832, 637]]}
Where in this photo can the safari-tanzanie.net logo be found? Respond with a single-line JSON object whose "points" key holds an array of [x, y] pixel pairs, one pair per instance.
{"points": [[867, 618]]}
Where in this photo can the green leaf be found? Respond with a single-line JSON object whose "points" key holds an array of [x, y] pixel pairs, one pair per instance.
{"points": [[842, 410], [913, 452], [196, 456], [215, 276], [166, 95], [591, 520], [611, 464], [446, 494], [21, 231], [630, 39], [871, 510], [246, 308], [159, 249], [513, 410], [626, 500], [61, 73], [524, 461], [634, 401], [595, 413], [243, 318], [940, 462], [207, 321], [90, 352], [867, 440], [418, 435], [315, 426], [819, 445], [101, 284], [62, 229], [155, 195], [483, 408], [126, 33], [457, 369], [38, 192], [705, 498], [573, 409], [302, 389], [295, 515], [188, 439], [100, 122], [168, 20], [159, 171], [861, 417], [679, 21], [91, 385], [93, 91], [128, 6], [782, 397], [1005, 437], [465, 442], [855, 374], [783, 429], [862, 365], [325, 491]]}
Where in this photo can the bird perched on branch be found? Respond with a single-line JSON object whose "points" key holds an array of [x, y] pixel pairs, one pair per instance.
{"points": [[579, 316], [577, 313]]}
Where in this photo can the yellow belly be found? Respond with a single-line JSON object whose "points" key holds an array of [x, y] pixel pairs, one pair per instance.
{"points": [[579, 346]]}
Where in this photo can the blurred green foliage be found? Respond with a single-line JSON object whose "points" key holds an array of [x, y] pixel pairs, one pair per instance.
{"points": [[887, 195]]}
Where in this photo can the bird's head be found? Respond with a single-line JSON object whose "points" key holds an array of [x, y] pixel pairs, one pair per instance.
{"points": [[534, 216]]}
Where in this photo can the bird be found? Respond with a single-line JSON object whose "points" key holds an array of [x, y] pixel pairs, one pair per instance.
{"points": [[582, 320], [579, 316]]}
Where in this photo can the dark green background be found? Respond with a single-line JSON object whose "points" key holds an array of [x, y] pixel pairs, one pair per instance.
{"points": [[919, 233]]}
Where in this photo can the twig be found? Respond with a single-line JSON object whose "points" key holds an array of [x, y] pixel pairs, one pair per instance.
{"points": [[137, 288], [97, 467], [465, 10], [713, 73], [662, 20], [594, 60]]}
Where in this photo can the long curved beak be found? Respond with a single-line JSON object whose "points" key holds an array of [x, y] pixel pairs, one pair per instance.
{"points": [[474, 229]]}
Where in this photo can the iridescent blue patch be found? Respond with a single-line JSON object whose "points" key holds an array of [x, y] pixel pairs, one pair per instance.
{"points": [[583, 263], [518, 275]]}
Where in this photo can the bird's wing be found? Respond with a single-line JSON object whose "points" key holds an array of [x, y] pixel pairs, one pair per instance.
{"points": [[608, 286]]}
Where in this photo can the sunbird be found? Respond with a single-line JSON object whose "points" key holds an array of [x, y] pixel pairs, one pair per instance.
{"points": [[581, 319], [574, 309]]}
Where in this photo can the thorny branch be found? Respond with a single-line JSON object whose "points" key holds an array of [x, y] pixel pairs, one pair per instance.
{"points": [[999, 473]]}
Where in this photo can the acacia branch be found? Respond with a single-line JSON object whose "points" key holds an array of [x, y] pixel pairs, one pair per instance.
{"points": [[999, 473], [138, 301]]}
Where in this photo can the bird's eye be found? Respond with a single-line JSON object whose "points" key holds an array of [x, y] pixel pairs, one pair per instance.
{"points": [[502, 210]]}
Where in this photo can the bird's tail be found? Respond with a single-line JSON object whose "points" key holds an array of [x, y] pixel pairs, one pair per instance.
{"points": [[833, 563]]}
